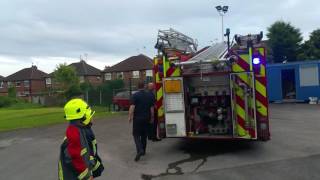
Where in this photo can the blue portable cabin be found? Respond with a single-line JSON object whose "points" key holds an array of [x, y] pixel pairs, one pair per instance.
{"points": [[294, 81]]}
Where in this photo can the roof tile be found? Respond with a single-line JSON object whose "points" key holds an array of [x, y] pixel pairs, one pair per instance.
{"points": [[133, 63], [32, 73], [84, 69]]}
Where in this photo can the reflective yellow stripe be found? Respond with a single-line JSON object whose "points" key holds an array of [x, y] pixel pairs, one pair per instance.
{"points": [[83, 151], [241, 112], [237, 68], [83, 174], [160, 111], [261, 88], [91, 158], [94, 143], [250, 58], [261, 51], [262, 70], [159, 94], [60, 171], [96, 166], [239, 92], [261, 108], [176, 72], [245, 57], [242, 132], [244, 77]]}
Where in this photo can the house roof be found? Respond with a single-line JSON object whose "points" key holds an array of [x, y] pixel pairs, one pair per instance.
{"points": [[84, 69], [1, 77], [133, 63], [32, 73]]}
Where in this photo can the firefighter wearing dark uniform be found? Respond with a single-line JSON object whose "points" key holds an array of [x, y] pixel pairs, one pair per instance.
{"points": [[141, 112], [78, 153]]}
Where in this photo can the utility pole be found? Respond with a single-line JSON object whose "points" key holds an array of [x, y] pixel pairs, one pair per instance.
{"points": [[222, 10]]}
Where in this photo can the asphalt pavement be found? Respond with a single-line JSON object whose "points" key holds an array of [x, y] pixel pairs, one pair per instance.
{"points": [[293, 153]]}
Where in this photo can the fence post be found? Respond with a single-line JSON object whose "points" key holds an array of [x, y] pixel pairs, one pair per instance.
{"points": [[100, 96]]}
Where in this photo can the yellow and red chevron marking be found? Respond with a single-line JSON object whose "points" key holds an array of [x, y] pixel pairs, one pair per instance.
{"points": [[243, 65], [159, 90], [261, 85], [170, 70], [245, 122]]}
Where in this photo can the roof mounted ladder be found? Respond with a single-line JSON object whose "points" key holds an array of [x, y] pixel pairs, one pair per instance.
{"points": [[172, 39]]}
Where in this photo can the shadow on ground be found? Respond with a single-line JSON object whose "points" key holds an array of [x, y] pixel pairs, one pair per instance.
{"points": [[201, 150]]}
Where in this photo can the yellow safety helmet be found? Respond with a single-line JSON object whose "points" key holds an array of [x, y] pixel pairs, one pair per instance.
{"points": [[77, 109]]}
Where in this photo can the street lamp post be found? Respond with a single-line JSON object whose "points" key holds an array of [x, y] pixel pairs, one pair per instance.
{"points": [[222, 10]]}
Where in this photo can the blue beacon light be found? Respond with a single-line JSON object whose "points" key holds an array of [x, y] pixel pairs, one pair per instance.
{"points": [[256, 60]]}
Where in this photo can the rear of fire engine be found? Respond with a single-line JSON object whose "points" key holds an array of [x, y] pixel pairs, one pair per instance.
{"points": [[215, 93]]}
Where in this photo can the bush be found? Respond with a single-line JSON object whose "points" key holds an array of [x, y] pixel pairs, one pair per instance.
{"points": [[6, 101], [12, 93]]}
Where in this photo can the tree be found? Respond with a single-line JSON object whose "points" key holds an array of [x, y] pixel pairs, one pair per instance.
{"points": [[108, 88], [67, 80], [12, 92], [311, 48], [284, 41]]}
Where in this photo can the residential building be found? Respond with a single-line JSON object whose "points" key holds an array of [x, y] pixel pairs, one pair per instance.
{"points": [[87, 73], [131, 70], [29, 82]]}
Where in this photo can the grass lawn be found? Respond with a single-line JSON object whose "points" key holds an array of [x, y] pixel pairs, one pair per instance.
{"points": [[16, 117]]}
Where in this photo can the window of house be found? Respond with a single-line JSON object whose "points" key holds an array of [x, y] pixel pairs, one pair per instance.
{"points": [[119, 75], [81, 79], [107, 76], [18, 84], [1, 84], [48, 81], [9, 84], [149, 73], [309, 75], [135, 74], [26, 83]]}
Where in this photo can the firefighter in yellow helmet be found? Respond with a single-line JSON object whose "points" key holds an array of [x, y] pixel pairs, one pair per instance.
{"points": [[78, 153]]}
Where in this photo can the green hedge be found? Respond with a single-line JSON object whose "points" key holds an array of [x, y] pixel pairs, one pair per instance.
{"points": [[7, 101]]}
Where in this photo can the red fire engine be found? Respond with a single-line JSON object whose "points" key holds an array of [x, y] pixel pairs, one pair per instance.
{"points": [[215, 93]]}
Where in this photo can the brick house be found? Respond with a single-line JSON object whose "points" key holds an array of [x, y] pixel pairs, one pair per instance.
{"points": [[29, 82], [87, 73], [134, 68]]}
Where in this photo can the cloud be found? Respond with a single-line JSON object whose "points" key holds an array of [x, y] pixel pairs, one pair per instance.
{"points": [[110, 30]]}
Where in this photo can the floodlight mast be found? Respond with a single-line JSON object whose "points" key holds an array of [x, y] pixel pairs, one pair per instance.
{"points": [[222, 10]]}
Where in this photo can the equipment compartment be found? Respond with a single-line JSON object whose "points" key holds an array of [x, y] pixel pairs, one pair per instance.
{"points": [[208, 105]]}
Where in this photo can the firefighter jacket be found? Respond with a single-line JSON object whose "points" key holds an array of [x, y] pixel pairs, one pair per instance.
{"points": [[93, 151], [78, 154]]}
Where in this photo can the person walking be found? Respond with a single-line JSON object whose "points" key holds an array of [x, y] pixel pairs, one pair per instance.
{"points": [[152, 129], [78, 153], [141, 112]]}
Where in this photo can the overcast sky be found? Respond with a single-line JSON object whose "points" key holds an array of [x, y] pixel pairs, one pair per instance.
{"points": [[48, 32]]}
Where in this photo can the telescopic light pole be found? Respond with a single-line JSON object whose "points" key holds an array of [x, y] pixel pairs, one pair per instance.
{"points": [[222, 10]]}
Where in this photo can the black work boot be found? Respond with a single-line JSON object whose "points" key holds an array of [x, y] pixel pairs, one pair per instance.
{"points": [[137, 158]]}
